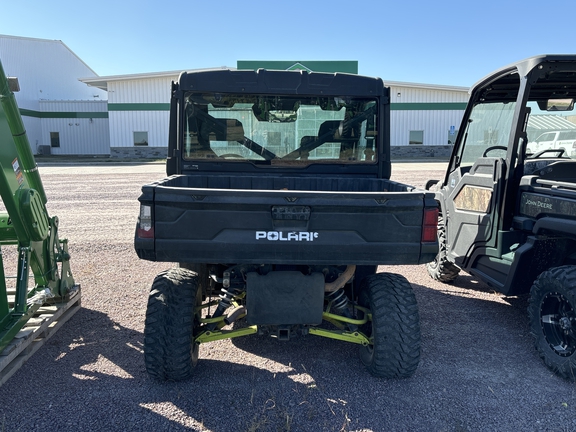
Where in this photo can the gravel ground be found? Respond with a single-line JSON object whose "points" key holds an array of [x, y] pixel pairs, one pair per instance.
{"points": [[478, 371]]}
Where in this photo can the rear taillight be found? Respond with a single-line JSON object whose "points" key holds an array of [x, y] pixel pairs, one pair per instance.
{"points": [[145, 224], [430, 225]]}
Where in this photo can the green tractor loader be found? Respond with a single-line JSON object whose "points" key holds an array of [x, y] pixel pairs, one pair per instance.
{"points": [[27, 227]]}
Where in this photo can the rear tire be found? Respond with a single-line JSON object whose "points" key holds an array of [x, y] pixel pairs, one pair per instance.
{"points": [[394, 329], [552, 315], [169, 349], [201, 271], [441, 269]]}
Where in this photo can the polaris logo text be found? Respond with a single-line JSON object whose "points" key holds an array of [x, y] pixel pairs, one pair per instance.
{"points": [[289, 236]]}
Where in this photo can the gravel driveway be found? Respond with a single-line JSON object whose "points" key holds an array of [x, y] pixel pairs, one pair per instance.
{"points": [[478, 370]]}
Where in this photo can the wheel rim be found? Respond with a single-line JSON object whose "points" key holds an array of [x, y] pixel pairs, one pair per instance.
{"points": [[558, 321]]}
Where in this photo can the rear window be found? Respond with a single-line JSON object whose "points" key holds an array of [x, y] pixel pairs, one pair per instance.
{"points": [[280, 129]]}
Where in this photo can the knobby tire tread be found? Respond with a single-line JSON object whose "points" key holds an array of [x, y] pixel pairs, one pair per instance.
{"points": [[169, 349], [562, 280], [395, 326], [441, 269]]}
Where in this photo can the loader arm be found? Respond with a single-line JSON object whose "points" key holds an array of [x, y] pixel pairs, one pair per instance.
{"points": [[26, 224]]}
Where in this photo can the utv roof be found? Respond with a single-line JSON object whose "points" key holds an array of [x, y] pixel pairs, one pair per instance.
{"points": [[281, 82], [525, 66]]}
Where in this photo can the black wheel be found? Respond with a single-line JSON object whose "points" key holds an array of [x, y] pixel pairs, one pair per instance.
{"points": [[552, 314], [395, 328], [441, 269], [169, 349]]}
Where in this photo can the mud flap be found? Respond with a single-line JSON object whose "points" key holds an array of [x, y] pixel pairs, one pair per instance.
{"points": [[284, 298]]}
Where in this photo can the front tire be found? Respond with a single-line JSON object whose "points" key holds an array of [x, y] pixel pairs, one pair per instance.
{"points": [[441, 269], [170, 352], [552, 315], [395, 327]]}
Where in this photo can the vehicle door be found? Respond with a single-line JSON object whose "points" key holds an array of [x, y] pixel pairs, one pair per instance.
{"points": [[474, 184]]}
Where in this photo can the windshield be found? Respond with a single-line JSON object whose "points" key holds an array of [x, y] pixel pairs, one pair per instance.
{"points": [[550, 133], [550, 113], [277, 129]]}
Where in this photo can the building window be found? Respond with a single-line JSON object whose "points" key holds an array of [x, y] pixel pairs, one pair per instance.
{"points": [[416, 137], [54, 139], [140, 138]]}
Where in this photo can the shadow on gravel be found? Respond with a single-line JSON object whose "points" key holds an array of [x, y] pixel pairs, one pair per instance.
{"points": [[474, 287], [98, 382], [478, 364], [477, 367]]}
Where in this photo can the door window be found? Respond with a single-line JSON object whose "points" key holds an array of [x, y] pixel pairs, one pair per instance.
{"points": [[487, 131]]}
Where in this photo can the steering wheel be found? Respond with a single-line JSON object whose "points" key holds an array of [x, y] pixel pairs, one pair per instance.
{"points": [[489, 149], [232, 156], [559, 151]]}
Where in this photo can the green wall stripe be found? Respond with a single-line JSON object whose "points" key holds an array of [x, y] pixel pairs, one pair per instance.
{"points": [[431, 106], [439, 106], [138, 107], [58, 114]]}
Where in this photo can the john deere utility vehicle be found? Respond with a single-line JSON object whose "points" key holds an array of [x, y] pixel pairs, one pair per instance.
{"points": [[508, 199]]}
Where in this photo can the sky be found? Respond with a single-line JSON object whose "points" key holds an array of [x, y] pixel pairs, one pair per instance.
{"points": [[444, 42]]}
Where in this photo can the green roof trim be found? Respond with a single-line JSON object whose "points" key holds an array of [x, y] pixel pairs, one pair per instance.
{"points": [[430, 106], [331, 66], [62, 114], [138, 107]]}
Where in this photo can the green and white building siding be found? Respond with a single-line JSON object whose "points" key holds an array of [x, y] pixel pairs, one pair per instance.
{"points": [[74, 128], [61, 114], [424, 118], [69, 110], [139, 114]]}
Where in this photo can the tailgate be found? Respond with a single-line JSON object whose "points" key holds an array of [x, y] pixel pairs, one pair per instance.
{"points": [[287, 227]]}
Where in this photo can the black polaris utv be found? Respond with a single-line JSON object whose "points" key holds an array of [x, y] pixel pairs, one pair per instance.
{"points": [[278, 209]]}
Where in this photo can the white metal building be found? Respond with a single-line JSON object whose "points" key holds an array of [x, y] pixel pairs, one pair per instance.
{"points": [[424, 118], [61, 114], [138, 111], [69, 110]]}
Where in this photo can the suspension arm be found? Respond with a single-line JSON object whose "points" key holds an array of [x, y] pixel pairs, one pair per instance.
{"points": [[211, 336], [346, 336]]}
